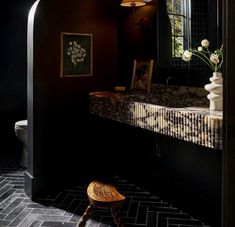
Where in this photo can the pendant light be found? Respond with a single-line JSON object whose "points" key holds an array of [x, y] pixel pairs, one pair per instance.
{"points": [[133, 3]]}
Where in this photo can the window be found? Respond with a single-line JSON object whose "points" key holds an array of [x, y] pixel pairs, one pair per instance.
{"points": [[179, 12]]}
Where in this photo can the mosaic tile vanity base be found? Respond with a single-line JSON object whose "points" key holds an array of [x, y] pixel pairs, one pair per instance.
{"points": [[179, 112]]}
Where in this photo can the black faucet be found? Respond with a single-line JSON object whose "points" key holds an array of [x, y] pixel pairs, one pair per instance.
{"points": [[168, 79]]}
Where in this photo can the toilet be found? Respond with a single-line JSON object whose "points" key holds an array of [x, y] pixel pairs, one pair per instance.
{"points": [[21, 133]]}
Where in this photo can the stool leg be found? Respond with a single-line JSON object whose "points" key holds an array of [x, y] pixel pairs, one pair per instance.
{"points": [[86, 215], [117, 217]]}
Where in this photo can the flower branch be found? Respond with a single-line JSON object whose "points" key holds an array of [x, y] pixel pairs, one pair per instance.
{"points": [[212, 59]]}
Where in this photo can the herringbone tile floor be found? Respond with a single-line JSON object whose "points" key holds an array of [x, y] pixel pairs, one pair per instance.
{"points": [[65, 208]]}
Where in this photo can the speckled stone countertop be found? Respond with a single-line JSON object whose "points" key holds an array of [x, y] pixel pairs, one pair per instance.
{"points": [[180, 112]]}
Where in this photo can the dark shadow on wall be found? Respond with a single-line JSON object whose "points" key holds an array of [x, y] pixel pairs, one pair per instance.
{"points": [[60, 123], [13, 70]]}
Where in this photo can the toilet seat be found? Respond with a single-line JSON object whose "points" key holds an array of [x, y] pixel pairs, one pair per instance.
{"points": [[21, 130], [21, 133], [22, 124]]}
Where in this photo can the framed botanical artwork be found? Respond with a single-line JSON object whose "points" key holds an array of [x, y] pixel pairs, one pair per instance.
{"points": [[76, 55], [142, 75]]}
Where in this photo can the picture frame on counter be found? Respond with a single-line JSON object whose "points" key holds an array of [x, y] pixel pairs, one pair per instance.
{"points": [[142, 75]]}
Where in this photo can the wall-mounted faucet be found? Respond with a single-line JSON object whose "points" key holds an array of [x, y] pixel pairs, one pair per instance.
{"points": [[168, 80]]}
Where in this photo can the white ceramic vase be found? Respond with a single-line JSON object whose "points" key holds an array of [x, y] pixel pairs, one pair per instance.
{"points": [[216, 91]]}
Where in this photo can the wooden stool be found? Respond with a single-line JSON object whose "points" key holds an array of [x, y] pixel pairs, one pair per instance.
{"points": [[104, 196]]}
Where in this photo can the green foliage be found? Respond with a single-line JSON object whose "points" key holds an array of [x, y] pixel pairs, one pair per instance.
{"points": [[176, 15]]}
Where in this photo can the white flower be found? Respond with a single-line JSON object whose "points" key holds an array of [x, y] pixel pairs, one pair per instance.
{"points": [[76, 52], [185, 58], [205, 43], [187, 54], [214, 58], [200, 49]]}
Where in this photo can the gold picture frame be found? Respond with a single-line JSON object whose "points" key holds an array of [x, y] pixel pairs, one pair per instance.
{"points": [[142, 75], [76, 55]]}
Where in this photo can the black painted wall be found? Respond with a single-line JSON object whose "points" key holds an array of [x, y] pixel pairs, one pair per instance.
{"points": [[229, 113], [187, 175], [137, 38], [58, 108], [13, 70]]}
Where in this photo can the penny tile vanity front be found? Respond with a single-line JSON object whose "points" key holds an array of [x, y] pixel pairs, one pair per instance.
{"points": [[176, 111]]}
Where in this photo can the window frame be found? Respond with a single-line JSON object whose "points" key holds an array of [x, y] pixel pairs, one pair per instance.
{"points": [[186, 26]]}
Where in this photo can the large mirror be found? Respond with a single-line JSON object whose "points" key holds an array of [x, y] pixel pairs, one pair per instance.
{"points": [[183, 24]]}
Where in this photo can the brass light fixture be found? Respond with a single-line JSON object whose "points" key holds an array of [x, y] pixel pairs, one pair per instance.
{"points": [[143, 22], [133, 3]]}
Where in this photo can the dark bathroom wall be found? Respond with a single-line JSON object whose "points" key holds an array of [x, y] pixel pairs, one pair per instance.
{"points": [[13, 70], [190, 176], [59, 123], [137, 38], [145, 32], [229, 113], [184, 174]]}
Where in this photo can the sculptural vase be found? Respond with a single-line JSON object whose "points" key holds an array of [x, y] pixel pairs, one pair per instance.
{"points": [[216, 92]]}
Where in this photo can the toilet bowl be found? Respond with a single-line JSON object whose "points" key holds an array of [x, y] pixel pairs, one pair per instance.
{"points": [[21, 133]]}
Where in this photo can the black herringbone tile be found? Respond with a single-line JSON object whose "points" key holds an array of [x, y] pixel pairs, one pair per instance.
{"points": [[64, 209]]}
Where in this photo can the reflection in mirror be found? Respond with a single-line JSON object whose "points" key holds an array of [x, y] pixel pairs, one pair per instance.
{"points": [[183, 24], [179, 13]]}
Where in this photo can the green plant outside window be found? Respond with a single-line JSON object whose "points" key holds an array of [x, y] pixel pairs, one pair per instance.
{"points": [[179, 12]]}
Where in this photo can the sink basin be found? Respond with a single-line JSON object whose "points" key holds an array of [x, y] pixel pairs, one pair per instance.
{"points": [[168, 100]]}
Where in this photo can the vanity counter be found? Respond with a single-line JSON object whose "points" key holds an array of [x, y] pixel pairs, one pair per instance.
{"points": [[178, 112]]}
